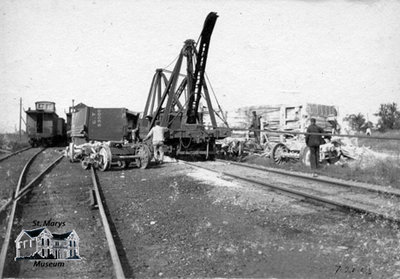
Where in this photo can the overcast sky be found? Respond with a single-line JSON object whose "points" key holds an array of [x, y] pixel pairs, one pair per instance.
{"points": [[104, 53]]}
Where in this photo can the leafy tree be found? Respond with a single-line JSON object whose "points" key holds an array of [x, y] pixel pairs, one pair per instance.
{"points": [[357, 122], [389, 116]]}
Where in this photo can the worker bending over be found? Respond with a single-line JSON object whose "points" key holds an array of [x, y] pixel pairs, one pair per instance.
{"points": [[158, 134]]}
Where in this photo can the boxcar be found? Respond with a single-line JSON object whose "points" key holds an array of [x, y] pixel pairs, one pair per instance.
{"points": [[43, 126], [100, 124]]}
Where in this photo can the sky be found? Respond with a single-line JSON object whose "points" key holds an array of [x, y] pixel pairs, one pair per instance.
{"points": [[104, 53]]}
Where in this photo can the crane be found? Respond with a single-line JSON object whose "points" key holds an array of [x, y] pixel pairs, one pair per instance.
{"points": [[177, 101]]}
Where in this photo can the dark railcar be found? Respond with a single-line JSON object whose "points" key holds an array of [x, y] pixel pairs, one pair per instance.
{"points": [[101, 124], [43, 126]]}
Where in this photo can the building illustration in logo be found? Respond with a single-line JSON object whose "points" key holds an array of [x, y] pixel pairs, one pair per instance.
{"points": [[42, 244]]}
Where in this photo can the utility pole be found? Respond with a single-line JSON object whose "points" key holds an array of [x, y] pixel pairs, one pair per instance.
{"points": [[20, 117]]}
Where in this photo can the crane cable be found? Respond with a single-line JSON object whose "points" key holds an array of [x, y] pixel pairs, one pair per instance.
{"points": [[215, 97], [175, 59]]}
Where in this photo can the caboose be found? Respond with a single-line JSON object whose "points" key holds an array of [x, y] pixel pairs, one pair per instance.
{"points": [[43, 126]]}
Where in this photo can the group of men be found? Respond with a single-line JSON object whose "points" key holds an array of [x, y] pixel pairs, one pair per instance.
{"points": [[313, 139]]}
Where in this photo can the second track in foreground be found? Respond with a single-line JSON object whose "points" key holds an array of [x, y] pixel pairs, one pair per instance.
{"points": [[329, 192]]}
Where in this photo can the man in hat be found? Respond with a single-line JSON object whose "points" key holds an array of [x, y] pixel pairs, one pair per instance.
{"points": [[313, 142], [256, 126]]}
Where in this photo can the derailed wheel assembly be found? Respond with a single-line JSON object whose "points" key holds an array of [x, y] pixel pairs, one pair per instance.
{"points": [[105, 156]]}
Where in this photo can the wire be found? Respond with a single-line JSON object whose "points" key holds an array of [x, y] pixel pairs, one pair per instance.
{"points": [[215, 97], [176, 58]]}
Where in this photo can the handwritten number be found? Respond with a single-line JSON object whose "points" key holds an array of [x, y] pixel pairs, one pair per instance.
{"points": [[352, 269]]}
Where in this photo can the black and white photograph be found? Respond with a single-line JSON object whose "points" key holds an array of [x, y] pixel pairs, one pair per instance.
{"points": [[200, 139]]}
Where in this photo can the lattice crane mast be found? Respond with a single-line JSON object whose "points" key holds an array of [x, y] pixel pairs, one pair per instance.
{"points": [[179, 106]]}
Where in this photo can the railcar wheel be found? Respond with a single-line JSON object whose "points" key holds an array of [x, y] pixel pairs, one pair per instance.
{"points": [[104, 162], [145, 156], [32, 142], [85, 165], [278, 153]]}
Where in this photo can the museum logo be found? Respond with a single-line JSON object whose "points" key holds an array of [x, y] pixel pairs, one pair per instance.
{"points": [[41, 244]]}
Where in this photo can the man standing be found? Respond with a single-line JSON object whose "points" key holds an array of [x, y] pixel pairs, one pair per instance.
{"points": [[255, 126], [157, 132], [313, 142]]}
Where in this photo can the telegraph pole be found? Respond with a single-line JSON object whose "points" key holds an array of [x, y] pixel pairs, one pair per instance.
{"points": [[20, 117]]}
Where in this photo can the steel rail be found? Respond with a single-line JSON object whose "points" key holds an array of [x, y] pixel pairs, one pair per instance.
{"points": [[119, 273], [4, 248], [24, 191], [15, 153], [378, 189], [321, 200]]}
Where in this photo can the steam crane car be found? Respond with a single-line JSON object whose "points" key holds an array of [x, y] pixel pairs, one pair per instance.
{"points": [[179, 107]]}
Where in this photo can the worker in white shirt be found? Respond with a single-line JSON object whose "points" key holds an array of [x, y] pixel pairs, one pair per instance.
{"points": [[157, 132]]}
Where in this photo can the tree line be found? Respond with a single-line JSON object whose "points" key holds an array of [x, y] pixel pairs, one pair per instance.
{"points": [[389, 119]]}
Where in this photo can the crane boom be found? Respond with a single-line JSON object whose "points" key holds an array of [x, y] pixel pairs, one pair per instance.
{"points": [[201, 60]]}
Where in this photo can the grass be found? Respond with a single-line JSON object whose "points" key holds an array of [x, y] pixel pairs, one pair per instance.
{"points": [[382, 172], [369, 168], [11, 142], [387, 146]]}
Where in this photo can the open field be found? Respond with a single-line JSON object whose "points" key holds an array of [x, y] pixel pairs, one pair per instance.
{"points": [[379, 166], [386, 146], [383, 172]]}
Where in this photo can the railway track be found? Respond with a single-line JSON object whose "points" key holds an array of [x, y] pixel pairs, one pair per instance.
{"points": [[20, 191], [14, 153], [163, 219], [118, 270], [51, 199], [10, 171], [377, 201]]}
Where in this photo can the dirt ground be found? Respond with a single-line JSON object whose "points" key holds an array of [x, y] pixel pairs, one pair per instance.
{"points": [[62, 203], [172, 220], [175, 221]]}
